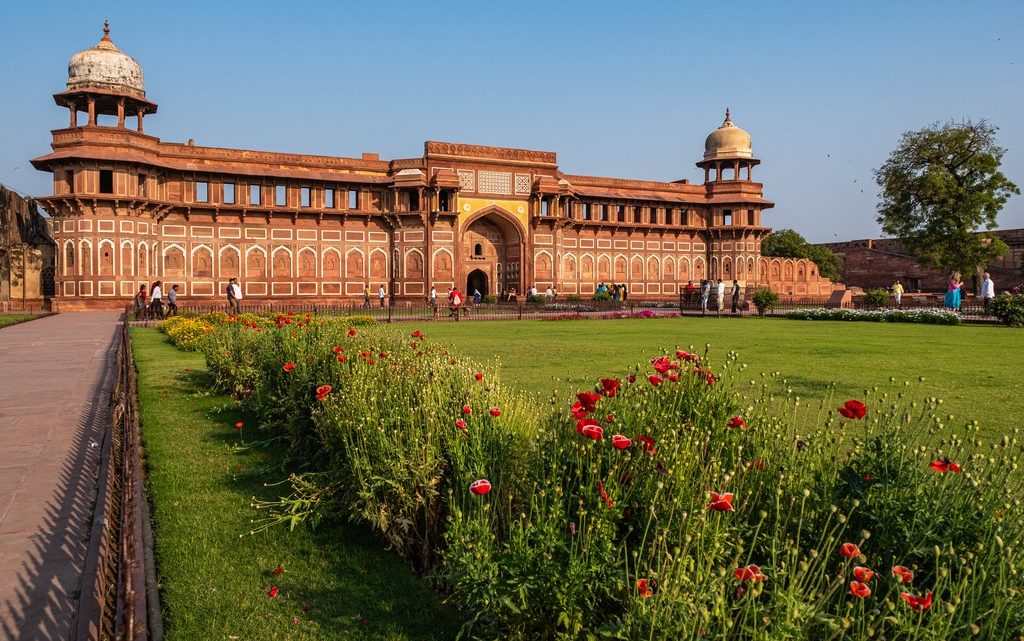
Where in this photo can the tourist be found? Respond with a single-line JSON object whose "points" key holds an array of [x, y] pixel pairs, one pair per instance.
{"points": [[533, 292], [477, 296], [735, 295], [172, 301], [689, 291], [952, 300], [549, 293], [616, 292], [988, 291], [366, 296], [602, 288], [705, 294], [511, 294], [140, 303], [380, 294], [156, 296], [554, 292], [897, 292], [625, 292], [454, 303], [432, 300], [721, 295], [234, 293]]}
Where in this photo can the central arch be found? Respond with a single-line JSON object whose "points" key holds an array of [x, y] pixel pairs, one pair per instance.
{"points": [[492, 252]]}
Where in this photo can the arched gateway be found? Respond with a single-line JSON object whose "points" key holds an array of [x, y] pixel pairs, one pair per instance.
{"points": [[492, 253]]}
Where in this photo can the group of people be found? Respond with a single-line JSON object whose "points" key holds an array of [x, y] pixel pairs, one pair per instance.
{"points": [[151, 302], [953, 296], [619, 293], [710, 291]]}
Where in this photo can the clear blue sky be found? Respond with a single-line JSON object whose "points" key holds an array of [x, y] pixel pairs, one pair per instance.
{"points": [[616, 89]]}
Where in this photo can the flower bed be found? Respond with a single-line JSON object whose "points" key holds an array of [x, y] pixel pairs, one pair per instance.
{"points": [[662, 504], [929, 316]]}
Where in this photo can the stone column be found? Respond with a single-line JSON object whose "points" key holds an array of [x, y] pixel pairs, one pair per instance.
{"points": [[74, 115], [92, 112], [139, 127], [120, 113]]}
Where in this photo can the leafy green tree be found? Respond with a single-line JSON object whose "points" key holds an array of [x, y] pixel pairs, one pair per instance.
{"points": [[790, 244], [940, 186]]}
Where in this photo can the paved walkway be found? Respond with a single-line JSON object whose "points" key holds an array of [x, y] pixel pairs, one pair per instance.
{"points": [[55, 379]]}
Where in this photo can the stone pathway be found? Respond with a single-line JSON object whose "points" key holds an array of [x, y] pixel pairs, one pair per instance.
{"points": [[56, 374]]}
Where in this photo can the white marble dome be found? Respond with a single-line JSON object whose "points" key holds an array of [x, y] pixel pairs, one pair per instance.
{"points": [[728, 141], [105, 67]]}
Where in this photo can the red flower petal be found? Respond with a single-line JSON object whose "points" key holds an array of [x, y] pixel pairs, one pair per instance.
{"points": [[859, 590], [654, 380], [239, 425], [902, 573], [272, 592], [648, 444], [849, 550], [919, 604], [737, 422], [721, 502], [480, 487], [479, 376], [461, 424], [595, 432], [289, 366], [863, 574], [337, 349], [351, 331], [494, 411], [467, 410], [279, 569], [644, 588], [621, 442], [610, 387]]}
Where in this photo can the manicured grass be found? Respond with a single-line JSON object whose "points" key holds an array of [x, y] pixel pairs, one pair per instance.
{"points": [[11, 319], [202, 477], [975, 370]]}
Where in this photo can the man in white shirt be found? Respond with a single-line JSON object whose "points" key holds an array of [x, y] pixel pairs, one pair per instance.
{"points": [[988, 291], [550, 293], [157, 297], [721, 295], [234, 292], [380, 294]]}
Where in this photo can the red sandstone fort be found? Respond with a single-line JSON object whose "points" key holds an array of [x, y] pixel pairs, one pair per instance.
{"points": [[129, 208]]}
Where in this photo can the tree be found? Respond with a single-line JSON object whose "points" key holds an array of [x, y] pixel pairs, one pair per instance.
{"points": [[940, 186], [790, 244]]}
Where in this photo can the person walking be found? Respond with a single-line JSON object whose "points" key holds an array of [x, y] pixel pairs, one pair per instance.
{"points": [[157, 304], [897, 292], [433, 300], [140, 303], [988, 292], [705, 294], [721, 296], [689, 292], [952, 300], [477, 296], [380, 294], [172, 301], [366, 296], [454, 303], [735, 296], [234, 293]]}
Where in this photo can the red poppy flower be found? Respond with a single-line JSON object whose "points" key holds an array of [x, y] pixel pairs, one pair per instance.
{"points": [[417, 334], [467, 410], [479, 376], [365, 354], [860, 590], [685, 356], [736, 421], [337, 349], [648, 444], [853, 409], [721, 502], [749, 574], [453, 361], [287, 321], [863, 574], [644, 588], [589, 400], [342, 358], [610, 387], [383, 354], [594, 431], [289, 366], [494, 411], [480, 487], [621, 442], [654, 380], [706, 374], [351, 331], [461, 424], [278, 570], [583, 423], [902, 573], [272, 592], [239, 425], [945, 465], [919, 604], [661, 364], [631, 378], [673, 376], [849, 550], [755, 465], [322, 392], [577, 411], [604, 495]]}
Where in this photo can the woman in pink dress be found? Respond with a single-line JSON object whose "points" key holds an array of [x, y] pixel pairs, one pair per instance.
{"points": [[953, 292]]}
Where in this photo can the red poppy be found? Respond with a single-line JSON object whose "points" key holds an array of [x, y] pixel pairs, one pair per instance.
{"points": [[322, 392], [721, 502], [755, 465], [577, 411], [467, 410], [239, 425], [337, 349], [604, 495], [919, 604], [461, 424], [351, 331], [610, 387], [945, 465], [342, 358], [589, 400], [365, 354], [287, 321], [661, 364], [863, 574], [417, 334], [860, 590], [685, 356], [480, 487], [621, 442], [706, 374], [673, 376], [594, 431], [272, 592], [289, 366], [736, 421], [849, 550], [654, 380], [644, 588], [278, 570], [853, 409], [453, 361], [479, 376], [383, 354], [648, 444], [902, 573], [583, 423], [749, 574], [631, 378], [494, 411]]}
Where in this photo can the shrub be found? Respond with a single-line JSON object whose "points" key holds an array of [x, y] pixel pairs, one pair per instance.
{"points": [[601, 297], [1009, 309], [490, 299], [764, 300], [573, 298], [876, 298], [186, 332], [928, 316]]}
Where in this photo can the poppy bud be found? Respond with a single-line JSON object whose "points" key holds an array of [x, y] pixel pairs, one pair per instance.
{"points": [[480, 487]]}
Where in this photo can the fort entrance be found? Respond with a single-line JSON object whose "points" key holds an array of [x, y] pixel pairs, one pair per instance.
{"points": [[492, 255]]}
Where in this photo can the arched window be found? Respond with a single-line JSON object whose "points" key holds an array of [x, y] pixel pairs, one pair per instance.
{"points": [[478, 250]]}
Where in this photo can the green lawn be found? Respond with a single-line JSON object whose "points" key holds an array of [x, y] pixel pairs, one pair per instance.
{"points": [[214, 582], [11, 319], [975, 370]]}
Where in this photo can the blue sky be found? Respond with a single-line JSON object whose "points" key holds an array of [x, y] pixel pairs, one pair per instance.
{"points": [[616, 89]]}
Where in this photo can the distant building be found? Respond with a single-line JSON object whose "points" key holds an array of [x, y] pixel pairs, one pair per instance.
{"points": [[874, 263], [130, 208], [26, 254]]}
